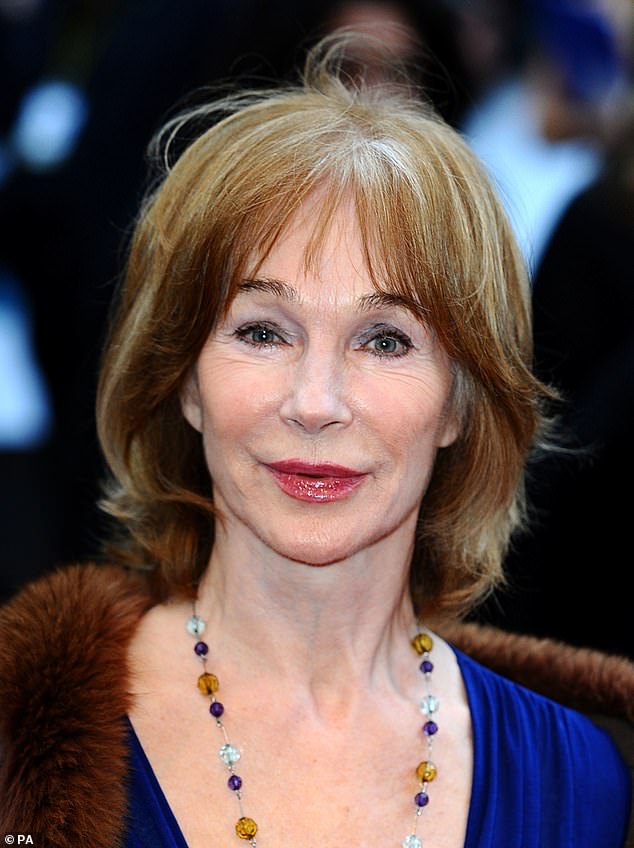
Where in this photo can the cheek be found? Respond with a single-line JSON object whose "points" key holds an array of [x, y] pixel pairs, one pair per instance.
{"points": [[235, 397], [410, 410]]}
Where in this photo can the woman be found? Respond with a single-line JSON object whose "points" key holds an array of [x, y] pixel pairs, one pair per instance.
{"points": [[316, 404]]}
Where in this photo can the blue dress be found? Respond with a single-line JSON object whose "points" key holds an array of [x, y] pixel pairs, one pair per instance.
{"points": [[544, 776]]}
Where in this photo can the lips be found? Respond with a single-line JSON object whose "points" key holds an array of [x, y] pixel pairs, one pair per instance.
{"points": [[322, 482]]}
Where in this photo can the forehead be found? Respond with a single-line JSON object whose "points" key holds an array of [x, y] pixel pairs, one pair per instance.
{"points": [[336, 279], [323, 257], [337, 241], [327, 249]]}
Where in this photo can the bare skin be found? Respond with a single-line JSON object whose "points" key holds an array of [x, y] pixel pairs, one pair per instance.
{"points": [[323, 703]]}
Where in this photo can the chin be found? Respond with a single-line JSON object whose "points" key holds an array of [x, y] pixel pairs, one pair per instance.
{"points": [[317, 550], [311, 553], [315, 561]]}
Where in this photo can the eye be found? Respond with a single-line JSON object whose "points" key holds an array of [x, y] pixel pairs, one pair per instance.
{"points": [[260, 335], [388, 342]]}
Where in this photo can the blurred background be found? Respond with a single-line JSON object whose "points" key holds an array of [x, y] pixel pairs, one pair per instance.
{"points": [[542, 90]]}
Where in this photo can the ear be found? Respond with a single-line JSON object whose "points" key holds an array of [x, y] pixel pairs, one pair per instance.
{"points": [[450, 430], [191, 406], [454, 412], [453, 416]]}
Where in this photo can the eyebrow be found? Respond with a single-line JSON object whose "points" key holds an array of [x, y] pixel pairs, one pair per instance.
{"points": [[365, 303], [269, 285]]}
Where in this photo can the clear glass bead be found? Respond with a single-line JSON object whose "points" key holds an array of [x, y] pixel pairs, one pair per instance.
{"points": [[195, 625], [229, 754], [429, 705], [412, 841]]}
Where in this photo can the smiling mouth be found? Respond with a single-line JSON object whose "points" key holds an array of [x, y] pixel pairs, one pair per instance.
{"points": [[318, 483]]}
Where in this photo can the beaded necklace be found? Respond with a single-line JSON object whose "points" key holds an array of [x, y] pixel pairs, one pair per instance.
{"points": [[426, 771]]}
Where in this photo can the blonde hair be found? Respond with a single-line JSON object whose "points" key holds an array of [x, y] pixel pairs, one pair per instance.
{"points": [[434, 233]]}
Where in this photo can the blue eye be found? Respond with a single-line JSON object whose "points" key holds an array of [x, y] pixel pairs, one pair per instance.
{"points": [[389, 342], [386, 345], [262, 335], [259, 335]]}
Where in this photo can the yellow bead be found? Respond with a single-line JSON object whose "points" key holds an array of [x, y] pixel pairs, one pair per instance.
{"points": [[422, 643], [246, 828], [208, 683], [426, 771]]}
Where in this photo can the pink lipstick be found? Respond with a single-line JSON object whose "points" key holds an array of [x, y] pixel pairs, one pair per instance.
{"points": [[322, 482]]}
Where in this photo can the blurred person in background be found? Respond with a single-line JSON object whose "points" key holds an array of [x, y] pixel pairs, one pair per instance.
{"points": [[583, 303], [546, 71]]}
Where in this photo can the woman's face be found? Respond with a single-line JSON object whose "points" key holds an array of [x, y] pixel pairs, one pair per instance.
{"points": [[321, 404]]}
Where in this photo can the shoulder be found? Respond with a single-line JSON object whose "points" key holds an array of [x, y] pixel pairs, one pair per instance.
{"points": [[64, 683], [66, 623], [71, 594], [537, 707], [586, 680], [514, 710]]}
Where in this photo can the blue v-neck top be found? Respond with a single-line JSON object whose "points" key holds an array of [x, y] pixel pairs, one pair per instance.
{"points": [[544, 776]]}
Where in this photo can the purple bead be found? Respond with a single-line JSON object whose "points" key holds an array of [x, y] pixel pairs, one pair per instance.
{"points": [[201, 648], [216, 709], [234, 782], [422, 799], [426, 667], [430, 728]]}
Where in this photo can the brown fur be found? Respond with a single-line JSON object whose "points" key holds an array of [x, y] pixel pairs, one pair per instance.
{"points": [[64, 685], [64, 690], [584, 679], [581, 678]]}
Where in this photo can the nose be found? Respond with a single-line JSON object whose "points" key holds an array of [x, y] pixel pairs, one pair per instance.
{"points": [[317, 396]]}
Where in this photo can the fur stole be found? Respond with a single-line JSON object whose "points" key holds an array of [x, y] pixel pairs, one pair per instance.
{"points": [[65, 688], [64, 684]]}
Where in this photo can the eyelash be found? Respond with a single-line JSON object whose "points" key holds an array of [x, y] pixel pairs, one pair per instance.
{"points": [[242, 333], [375, 334], [384, 333]]}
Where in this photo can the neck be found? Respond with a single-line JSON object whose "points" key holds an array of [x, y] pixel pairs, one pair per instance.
{"points": [[342, 627]]}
